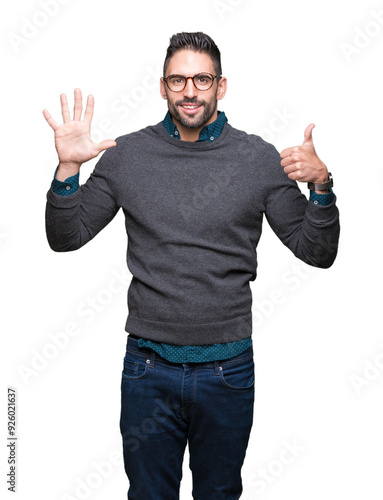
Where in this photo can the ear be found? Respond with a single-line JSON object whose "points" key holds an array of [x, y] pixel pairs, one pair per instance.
{"points": [[162, 89], [222, 87]]}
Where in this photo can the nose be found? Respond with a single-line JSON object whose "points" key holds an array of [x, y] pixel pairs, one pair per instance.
{"points": [[190, 90]]}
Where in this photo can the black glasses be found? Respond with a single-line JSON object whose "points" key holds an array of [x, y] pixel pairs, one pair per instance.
{"points": [[201, 81]]}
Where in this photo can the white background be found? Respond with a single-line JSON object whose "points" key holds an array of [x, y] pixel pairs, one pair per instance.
{"points": [[318, 355]]}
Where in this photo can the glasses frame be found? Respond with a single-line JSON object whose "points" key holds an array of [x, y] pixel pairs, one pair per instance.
{"points": [[192, 79]]}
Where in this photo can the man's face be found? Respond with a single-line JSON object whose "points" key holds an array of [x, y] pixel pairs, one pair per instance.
{"points": [[193, 108]]}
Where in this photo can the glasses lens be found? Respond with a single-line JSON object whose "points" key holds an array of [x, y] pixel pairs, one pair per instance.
{"points": [[203, 81], [176, 82]]}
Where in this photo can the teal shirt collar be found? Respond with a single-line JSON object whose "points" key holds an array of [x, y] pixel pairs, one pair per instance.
{"points": [[208, 133]]}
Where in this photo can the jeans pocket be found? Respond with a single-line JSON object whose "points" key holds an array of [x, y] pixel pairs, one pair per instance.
{"points": [[135, 366], [238, 375]]}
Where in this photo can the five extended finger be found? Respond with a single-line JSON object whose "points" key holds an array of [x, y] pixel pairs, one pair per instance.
{"points": [[64, 108], [89, 109], [50, 120], [77, 110], [109, 143]]}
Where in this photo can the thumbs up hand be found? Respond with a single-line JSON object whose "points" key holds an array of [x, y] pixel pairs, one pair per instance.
{"points": [[301, 163]]}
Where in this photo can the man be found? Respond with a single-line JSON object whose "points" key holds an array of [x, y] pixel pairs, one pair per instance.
{"points": [[193, 190]]}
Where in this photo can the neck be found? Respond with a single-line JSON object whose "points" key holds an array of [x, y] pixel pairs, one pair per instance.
{"points": [[192, 134]]}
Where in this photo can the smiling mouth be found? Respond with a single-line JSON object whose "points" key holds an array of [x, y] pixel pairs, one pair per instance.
{"points": [[190, 108]]}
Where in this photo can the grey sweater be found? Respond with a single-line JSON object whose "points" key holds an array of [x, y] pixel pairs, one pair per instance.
{"points": [[193, 215]]}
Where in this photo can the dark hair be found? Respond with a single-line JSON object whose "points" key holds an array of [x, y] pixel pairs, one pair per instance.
{"points": [[200, 42]]}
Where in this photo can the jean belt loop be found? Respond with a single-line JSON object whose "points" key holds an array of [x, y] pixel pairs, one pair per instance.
{"points": [[152, 358], [216, 367]]}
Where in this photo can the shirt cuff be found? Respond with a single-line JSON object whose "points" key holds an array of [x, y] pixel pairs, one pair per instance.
{"points": [[321, 199], [67, 187]]}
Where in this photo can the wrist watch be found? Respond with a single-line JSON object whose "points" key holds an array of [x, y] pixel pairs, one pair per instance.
{"points": [[321, 187]]}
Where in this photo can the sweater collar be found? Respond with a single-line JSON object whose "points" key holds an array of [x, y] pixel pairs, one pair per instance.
{"points": [[208, 133]]}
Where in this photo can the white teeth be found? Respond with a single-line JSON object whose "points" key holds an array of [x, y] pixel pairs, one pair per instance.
{"points": [[190, 107]]}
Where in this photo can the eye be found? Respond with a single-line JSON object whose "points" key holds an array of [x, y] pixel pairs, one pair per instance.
{"points": [[176, 80], [204, 79]]}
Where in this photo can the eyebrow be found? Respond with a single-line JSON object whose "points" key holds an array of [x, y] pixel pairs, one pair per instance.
{"points": [[199, 73]]}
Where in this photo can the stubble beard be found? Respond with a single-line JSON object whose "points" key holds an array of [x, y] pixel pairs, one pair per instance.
{"points": [[193, 121]]}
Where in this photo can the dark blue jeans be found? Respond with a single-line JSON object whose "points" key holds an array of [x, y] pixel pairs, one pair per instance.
{"points": [[166, 405]]}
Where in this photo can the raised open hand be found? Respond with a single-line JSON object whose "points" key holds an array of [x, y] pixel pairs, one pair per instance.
{"points": [[72, 138]]}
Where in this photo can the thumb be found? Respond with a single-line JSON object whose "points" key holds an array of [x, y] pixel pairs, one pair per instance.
{"points": [[308, 139], [109, 143]]}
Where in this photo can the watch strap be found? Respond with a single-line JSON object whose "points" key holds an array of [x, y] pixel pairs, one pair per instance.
{"points": [[322, 187]]}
